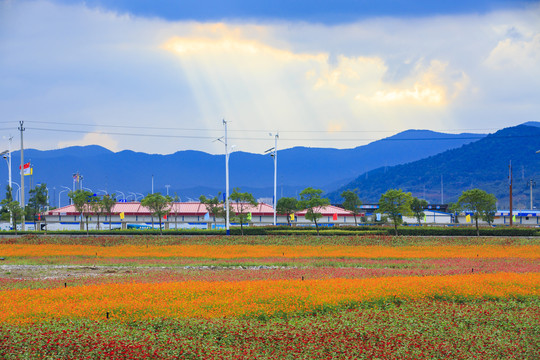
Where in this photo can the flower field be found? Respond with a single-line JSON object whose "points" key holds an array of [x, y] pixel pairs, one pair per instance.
{"points": [[269, 298]]}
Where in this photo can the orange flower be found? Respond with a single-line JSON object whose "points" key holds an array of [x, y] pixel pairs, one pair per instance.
{"points": [[262, 251], [129, 302]]}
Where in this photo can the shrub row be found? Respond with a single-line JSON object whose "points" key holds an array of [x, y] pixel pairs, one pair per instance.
{"points": [[308, 230], [465, 231], [331, 232]]}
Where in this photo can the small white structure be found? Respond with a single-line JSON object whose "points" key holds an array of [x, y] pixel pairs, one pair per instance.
{"points": [[502, 217], [431, 217]]}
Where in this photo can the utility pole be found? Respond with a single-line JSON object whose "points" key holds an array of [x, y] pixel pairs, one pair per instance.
{"points": [[21, 129], [9, 165], [225, 142], [226, 179], [442, 190], [275, 178], [510, 180], [532, 184], [273, 153]]}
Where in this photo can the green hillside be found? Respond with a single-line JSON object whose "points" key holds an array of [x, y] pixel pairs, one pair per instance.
{"points": [[482, 164]]}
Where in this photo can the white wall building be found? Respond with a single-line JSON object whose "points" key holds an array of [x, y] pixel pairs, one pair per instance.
{"points": [[185, 215]]}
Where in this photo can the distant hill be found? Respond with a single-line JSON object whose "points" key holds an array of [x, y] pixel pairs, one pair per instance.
{"points": [[482, 164], [192, 173]]}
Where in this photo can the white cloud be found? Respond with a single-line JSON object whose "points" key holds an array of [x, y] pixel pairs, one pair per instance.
{"points": [[511, 54], [71, 64]]}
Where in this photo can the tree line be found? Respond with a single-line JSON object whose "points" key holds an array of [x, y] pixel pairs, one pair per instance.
{"points": [[393, 204], [12, 210], [396, 204]]}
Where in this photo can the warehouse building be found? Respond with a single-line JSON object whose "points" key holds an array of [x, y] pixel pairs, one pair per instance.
{"points": [[186, 215]]}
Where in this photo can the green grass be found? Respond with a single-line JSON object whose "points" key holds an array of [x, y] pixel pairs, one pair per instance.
{"points": [[311, 240], [430, 329]]}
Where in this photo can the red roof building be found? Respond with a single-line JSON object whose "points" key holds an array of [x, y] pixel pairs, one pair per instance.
{"points": [[193, 214]]}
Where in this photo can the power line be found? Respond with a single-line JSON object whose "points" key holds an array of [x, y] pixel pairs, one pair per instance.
{"points": [[235, 130], [283, 138], [124, 134]]}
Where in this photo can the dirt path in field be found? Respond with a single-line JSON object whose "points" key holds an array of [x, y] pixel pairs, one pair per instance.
{"points": [[42, 272]]}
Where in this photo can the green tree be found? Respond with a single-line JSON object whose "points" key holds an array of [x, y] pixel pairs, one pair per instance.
{"points": [[287, 206], [214, 206], [489, 214], [95, 207], [81, 200], [5, 214], [417, 207], [454, 209], [175, 199], [351, 203], [106, 205], [311, 200], [482, 204], [37, 202], [15, 209], [243, 201], [158, 205], [9, 193], [396, 204]]}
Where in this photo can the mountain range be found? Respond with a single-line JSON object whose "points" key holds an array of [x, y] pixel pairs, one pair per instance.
{"points": [[190, 174], [483, 164]]}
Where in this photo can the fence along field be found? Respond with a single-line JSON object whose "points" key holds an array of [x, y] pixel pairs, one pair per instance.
{"points": [[267, 297]]}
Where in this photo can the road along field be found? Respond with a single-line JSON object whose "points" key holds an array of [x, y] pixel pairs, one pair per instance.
{"points": [[269, 297]]}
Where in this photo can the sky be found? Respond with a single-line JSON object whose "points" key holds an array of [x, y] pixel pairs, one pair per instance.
{"points": [[161, 76]]}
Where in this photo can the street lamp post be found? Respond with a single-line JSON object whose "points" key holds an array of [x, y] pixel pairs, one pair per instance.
{"points": [[123, 196], [48, 200], [273, 153], [70, 199], [18, 190], [18, 197], [7, 155], [60, 194]]}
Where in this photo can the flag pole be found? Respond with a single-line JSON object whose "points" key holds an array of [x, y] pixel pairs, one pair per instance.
{"points": [[23, 220]]}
